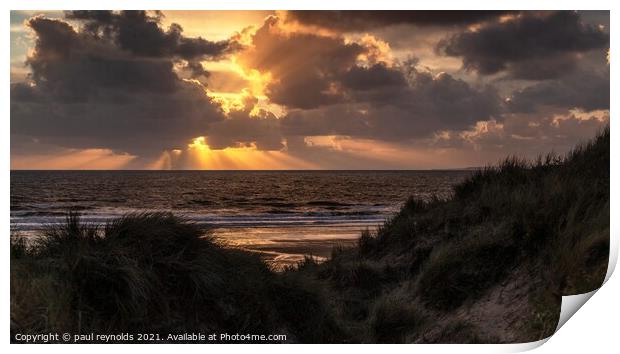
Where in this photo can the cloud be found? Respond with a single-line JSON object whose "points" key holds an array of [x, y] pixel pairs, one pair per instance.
{"points": [[143, 124], [330, 86], [585, 89], [118, 84], [303, 66], [141, 34], [377, 76], [71, 66], [362, 20], [88, 92], [524, 134], [404, 110], [247, 126], [333, 86], [29, 154], [530, 46]]}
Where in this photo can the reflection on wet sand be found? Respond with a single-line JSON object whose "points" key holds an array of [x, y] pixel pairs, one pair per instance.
{"points": [[284, 246]]}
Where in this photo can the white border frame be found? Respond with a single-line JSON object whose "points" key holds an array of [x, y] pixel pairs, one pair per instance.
{"points": [[593, 328]]}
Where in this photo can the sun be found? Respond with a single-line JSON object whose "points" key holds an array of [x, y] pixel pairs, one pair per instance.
{"points": [[199, 155]]}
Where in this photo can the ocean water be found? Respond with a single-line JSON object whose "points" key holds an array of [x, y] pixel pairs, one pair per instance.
{"points": [[282, 214]]}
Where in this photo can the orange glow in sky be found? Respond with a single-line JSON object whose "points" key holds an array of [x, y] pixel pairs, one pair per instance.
{"points": [[275, 90], [74, 159], [200, 156]]}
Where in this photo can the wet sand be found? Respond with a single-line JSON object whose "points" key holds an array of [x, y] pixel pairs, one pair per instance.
{"points": [[284, 246]]}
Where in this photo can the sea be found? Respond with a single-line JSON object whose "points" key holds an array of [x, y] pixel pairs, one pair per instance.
{"points": [[284, 215]]}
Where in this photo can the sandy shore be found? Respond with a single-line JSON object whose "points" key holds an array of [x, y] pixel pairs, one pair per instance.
{"points": [[282, 246]]}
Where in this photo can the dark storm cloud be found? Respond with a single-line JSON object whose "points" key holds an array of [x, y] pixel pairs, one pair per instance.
{"points": [[586, 90], [197, 70], [141, 124], [329, 90], [54, 37], [310, 71], [425, 103], [360, 20], [533, 45], [304, 66], [141, 33], [375, 77], [117, 81], [261, 130], [526, 134], [70, 66], [87, 91], [240, 129]]}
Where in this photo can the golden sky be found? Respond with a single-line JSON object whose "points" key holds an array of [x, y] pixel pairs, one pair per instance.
{"points": [[302, 90]]}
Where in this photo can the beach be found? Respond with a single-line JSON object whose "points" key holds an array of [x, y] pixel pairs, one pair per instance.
{"points": [[283, 215]]}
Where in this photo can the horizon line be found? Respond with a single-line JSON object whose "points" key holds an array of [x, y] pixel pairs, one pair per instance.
{"points": [[248, 170]]}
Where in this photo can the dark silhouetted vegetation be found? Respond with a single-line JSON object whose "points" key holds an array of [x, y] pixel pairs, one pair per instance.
{"points": [[509, 243], [151, 273]]}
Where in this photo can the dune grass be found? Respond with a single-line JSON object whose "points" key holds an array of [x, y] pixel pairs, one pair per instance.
{"points": [[149, 273], [548, 219], [418, 278]]}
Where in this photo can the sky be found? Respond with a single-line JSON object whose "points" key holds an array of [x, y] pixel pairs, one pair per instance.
{"points": [[303, 89]]}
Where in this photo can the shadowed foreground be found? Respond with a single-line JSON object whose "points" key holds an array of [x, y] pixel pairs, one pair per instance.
{"points": [[488, 265], [152, 273]]}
